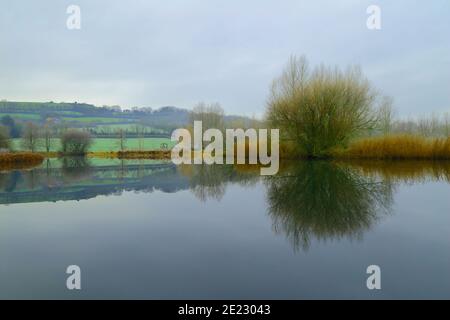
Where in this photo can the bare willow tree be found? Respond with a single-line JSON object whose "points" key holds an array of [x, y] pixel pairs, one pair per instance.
{"points": [[320, 109], [30, 137]]}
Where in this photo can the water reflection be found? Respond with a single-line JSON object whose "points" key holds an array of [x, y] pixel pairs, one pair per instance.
{"points": [[76, 169], [326, 201], [83, 178], [404, 171], [210, 181], [311, 199]]}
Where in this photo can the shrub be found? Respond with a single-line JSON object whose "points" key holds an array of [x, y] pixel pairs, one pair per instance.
{"points": [[75, 142]]}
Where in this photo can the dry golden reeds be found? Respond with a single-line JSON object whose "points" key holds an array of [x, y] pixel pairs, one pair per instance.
{"points": [[20, 160], [398, 147]]}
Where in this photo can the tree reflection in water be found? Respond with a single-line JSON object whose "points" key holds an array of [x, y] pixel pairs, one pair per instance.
{"points": [[210, 181], [327, 201], [76, 168], [306, 200], [318, 199]]}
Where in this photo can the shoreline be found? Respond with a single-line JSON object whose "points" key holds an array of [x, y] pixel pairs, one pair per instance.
{"points": [[391, 148]]}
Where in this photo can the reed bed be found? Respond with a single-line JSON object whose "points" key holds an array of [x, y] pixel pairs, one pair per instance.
{"points": [[20, 160], [401, 147]]}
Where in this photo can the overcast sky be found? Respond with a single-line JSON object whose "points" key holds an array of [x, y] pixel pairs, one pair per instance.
{"points": [[179, 52]]}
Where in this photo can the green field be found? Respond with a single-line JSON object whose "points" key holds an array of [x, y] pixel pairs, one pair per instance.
{"points": [[22, 116], [70, 113], [93, 119], [129, 127], [108, 144], [124, 126]]}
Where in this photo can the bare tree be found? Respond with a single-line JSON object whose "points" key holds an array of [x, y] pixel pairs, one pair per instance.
{"points": [[211, 115], [121, 135], [140, 136], [47, 134], [434, 125], [386, 115], [424, 127], [30, 137], [447, 124]]}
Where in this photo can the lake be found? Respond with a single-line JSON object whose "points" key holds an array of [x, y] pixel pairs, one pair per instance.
{"points": [[150, 229]]}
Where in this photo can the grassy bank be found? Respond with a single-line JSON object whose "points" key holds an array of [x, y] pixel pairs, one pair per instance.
{"points": [[26, 160], [392, 147]]}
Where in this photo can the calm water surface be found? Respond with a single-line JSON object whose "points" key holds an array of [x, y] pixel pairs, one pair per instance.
{"points": [[146, 229]]}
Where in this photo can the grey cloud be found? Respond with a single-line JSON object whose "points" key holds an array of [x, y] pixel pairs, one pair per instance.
{"points": [[152, 53]]}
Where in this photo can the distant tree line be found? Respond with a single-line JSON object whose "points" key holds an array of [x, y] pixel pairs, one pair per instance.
{"points": [[75, 109], [428, 126]]}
